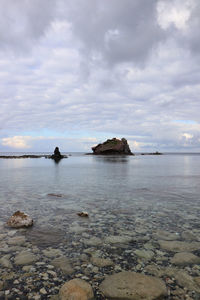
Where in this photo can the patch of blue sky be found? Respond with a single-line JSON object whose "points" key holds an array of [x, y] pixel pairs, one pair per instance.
{"points": [[44, 133], [70, 134], [189, 122]]}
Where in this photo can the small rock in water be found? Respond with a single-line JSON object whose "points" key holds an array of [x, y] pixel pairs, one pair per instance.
{"points": [[55, 195], [83, 214], [20, 219]]}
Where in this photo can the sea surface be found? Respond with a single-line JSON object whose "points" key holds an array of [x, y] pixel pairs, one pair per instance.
{"points": [[126, 197]]}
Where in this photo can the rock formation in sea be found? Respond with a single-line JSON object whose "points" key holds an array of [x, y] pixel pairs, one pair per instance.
{"points": [[153, 153], [57, 155], [113, 146]]}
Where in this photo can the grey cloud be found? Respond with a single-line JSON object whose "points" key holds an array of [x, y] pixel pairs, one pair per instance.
{"points": [[117, 30], [192, 36], [22, 22], [141, 90]]}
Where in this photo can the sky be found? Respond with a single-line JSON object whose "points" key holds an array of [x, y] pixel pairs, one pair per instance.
{"points": [[74, 73]]}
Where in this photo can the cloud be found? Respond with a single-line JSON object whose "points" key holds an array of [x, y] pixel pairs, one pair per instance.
{"points": [[175, 12], [116, 31], [23, 23], [187, 136], [17, 142], [48, 143], [99, 69]]}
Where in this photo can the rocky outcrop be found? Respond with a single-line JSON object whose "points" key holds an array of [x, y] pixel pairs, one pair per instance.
{"points": [[113, 146], [20, 220], [57, 155], [153, 153]]}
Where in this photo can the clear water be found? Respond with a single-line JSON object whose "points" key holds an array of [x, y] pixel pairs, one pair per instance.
{"points": [[102, 184], [132, 202]]}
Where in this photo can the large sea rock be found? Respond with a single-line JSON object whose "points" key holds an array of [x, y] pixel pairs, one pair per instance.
{"points": [[112, 146], [57, 155]]}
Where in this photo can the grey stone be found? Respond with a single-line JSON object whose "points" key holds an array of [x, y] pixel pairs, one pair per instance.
{"points": [[94, 241], [179, 246], [101, 262], [17, 240], [5, 261], [185, 258], [132, 286], [167, 236], [161, 271], [189, 236], [144, 254], [25, 258], [52, 252], [117, 239], [186, 281], [63, 264]]}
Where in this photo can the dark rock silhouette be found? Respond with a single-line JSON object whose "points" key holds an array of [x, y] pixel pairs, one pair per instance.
{"points": [[153, 153], [57, 155], [113, 147]]}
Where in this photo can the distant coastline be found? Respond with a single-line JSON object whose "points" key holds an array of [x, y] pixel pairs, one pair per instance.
{"points": [[32, 155]]}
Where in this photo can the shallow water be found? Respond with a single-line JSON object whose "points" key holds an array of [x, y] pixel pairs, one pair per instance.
{"points": [[133, 196]]}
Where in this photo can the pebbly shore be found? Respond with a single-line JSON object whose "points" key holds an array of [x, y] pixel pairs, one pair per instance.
{"points": [[108, 247]]}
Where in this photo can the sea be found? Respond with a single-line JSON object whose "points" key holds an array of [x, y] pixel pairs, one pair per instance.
{"points": [[132, 202]]}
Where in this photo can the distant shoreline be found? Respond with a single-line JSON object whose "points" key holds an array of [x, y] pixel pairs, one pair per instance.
{"points": [[16, 155], [27, 156]]}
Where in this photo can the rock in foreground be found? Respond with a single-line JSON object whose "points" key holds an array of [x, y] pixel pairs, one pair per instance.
{"points": [[113, 146], [76, 289], [131, 286], [19, 220]]}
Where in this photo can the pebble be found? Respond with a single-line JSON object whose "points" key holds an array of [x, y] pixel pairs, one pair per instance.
{"points": [[102, 245], [43, 291]]}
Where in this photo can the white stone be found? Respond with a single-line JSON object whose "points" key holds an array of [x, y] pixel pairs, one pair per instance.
{"points": [[20, 219]]}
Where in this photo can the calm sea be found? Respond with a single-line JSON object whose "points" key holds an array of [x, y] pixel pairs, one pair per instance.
{"points": [[141, 210], [101, 181], [101, 185]]}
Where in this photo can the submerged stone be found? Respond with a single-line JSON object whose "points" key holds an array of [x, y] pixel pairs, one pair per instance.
{"points": [[184, 259], [63, 264], [144, 254], [187, 281], [179, 246], [131, 286], [76, 289], [25, 258], [101, 262], [118, 239]]}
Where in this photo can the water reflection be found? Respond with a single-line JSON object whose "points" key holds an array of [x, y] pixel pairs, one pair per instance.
{"points": [[112, 159]]}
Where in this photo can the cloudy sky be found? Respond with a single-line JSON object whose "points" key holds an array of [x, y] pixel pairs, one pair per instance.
{"points": [[76, 72]]}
